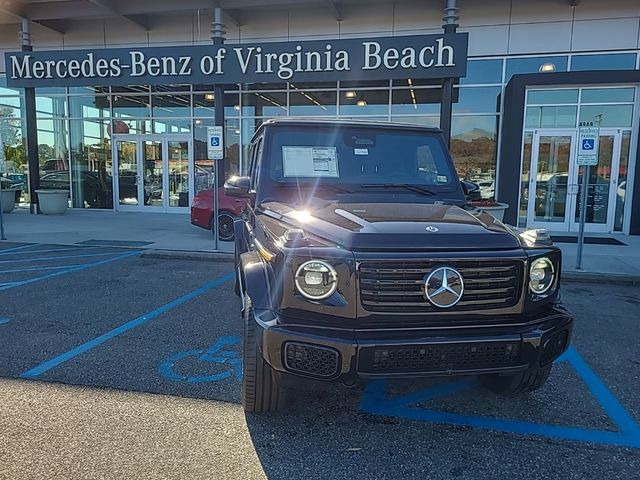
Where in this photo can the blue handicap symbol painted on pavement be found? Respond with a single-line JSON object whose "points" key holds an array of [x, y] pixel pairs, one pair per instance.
{"points": [[376, 401], [4, 320], [218, 354], [215, 141], [588, 144]]}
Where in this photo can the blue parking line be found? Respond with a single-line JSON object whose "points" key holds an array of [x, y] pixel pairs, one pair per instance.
{"points": [[68, 270], [37, 269], [130, 325], [12, 249], [50, 250], [63, 257]]}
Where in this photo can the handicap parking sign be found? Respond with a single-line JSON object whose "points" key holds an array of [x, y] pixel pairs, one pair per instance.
{"points": [[588, 144], [215, 141], [215, 147]]}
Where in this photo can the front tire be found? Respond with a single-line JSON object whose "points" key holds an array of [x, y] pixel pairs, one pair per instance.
{"points": [[522, 382], [260, 390]]}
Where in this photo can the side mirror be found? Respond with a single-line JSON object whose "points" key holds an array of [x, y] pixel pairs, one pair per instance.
{"points": [[471, 190], [237, 186]]}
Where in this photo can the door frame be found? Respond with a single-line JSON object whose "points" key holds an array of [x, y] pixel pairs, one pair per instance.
{"points": [[533, 178], [164, 140]]}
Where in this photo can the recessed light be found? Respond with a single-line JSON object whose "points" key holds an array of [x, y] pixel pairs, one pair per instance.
{"points": [[350, 94], [209, 96], [361, 103], [547, 67]]}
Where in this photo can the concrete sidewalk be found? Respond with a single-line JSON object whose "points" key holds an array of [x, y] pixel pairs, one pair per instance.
{"points": [[170, 234]]}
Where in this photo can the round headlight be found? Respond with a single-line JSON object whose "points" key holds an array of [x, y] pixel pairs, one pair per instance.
{"points": [[541, 275], [316, 279]]}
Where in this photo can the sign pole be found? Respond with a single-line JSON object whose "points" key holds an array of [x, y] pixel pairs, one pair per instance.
{"points": [[2, 236], [583, 214], [588, 144]]}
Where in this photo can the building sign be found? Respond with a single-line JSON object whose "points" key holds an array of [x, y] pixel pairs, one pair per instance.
{"points": [[215, 145], [417, 56], [588, 138]]}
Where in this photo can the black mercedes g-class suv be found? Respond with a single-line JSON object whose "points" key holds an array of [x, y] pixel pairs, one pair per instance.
{"points": [[359, 257]]}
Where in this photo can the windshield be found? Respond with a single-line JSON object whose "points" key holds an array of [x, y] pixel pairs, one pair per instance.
{"points": [[358, 159]]}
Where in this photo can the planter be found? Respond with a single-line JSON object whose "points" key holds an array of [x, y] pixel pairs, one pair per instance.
{"points": [[53, 202], [497, 211], [9, 199]]}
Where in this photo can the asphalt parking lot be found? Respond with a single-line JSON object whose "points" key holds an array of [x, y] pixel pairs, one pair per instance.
{"points": [[117, 366]]}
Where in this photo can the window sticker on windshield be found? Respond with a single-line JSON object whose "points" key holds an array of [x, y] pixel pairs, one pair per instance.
{"points": [[310, 161], [361, 151], [442, 179]]}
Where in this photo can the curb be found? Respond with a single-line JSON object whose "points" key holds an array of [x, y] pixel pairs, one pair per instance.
{"points": [[185, 255], [606, 278]]}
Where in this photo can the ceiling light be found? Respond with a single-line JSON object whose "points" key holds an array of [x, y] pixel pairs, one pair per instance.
{"points": [[350, 94], [361, 103], [209, 96], [547, 67], [236, 107]]}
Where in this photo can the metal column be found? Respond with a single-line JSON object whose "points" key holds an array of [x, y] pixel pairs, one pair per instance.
{"points": [[446, 106], [217, 35], [32, 126]]}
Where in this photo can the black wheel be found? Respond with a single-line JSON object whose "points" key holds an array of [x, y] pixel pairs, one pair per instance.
{"points": [[260, 390], [225, 227], [521, 382]]}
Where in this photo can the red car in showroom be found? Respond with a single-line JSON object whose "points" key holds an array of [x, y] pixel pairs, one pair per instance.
{"points": [[229, 208]]}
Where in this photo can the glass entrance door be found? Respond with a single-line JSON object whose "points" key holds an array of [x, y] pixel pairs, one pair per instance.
{"points": [[555, 189], [153, 173], [551, 180]]}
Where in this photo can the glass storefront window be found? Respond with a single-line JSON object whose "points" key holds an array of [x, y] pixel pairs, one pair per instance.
{"points": [[524, 179], [10, 106], [89, 106], [51, 106], [174, 105], [4, 90], [623, 172], [416, 101], [88, 90], [312, 103], [533, 65], [204, 105], [473, 148], [131, 106], [270, 104], [477, 100], [610, 115], [366, 102], [552, 97], [608, 95], [610, 61], [53, 154], [91, 179], [418, 120], [172, 125], [483, 71], [551, 117]]}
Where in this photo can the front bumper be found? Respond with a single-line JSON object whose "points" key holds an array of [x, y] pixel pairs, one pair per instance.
{"points": [[347, 354]]}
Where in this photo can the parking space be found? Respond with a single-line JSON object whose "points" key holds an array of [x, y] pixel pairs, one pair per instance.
{"points": [[114, 320]]}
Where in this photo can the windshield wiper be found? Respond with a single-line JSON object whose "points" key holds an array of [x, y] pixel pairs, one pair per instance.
{"points": [[326, 186], [407, 186]]}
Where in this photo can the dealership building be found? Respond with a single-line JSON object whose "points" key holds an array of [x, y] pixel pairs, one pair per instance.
{"points": [[115, 99]]}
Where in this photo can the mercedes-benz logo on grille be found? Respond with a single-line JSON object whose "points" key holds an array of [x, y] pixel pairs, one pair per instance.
{"points": [[444, 287]]}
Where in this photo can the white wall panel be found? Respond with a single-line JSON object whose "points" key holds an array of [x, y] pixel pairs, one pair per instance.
{"points": [[540, 37], [313, 22], [598, 9], [44, 38], [363, 19], [119, 31], [490, 40], [605, 34], [270, 24], [526, 11], [172, 30], [486, 12], [417, 16], [89, 33]]}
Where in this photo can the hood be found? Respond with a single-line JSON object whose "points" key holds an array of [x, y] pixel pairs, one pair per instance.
{"points": [[396, 226]]}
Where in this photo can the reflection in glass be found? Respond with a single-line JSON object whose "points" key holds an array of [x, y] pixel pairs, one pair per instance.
{"points": [[609, 61], [53, 153], [599, 184], [270, 104], [153, 171], [473, 148], [89, 107], [524, 179], [367, 102], [178, 173], [477, 100], [608, 95], [610, 115], [621, 191], [551, 179], [533, 64], [127, 172], [416, 101], [551, 117], [171, 105], [91, 164], [312, 103], [483, 71], [552, 97], [131, 106]]}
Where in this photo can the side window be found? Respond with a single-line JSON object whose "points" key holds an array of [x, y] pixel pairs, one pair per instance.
{"points": [[256, 155]]}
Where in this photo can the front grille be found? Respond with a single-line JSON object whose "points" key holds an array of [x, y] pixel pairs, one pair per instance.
{"points": [[398, 286], [439, 357], [311, 360]]}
